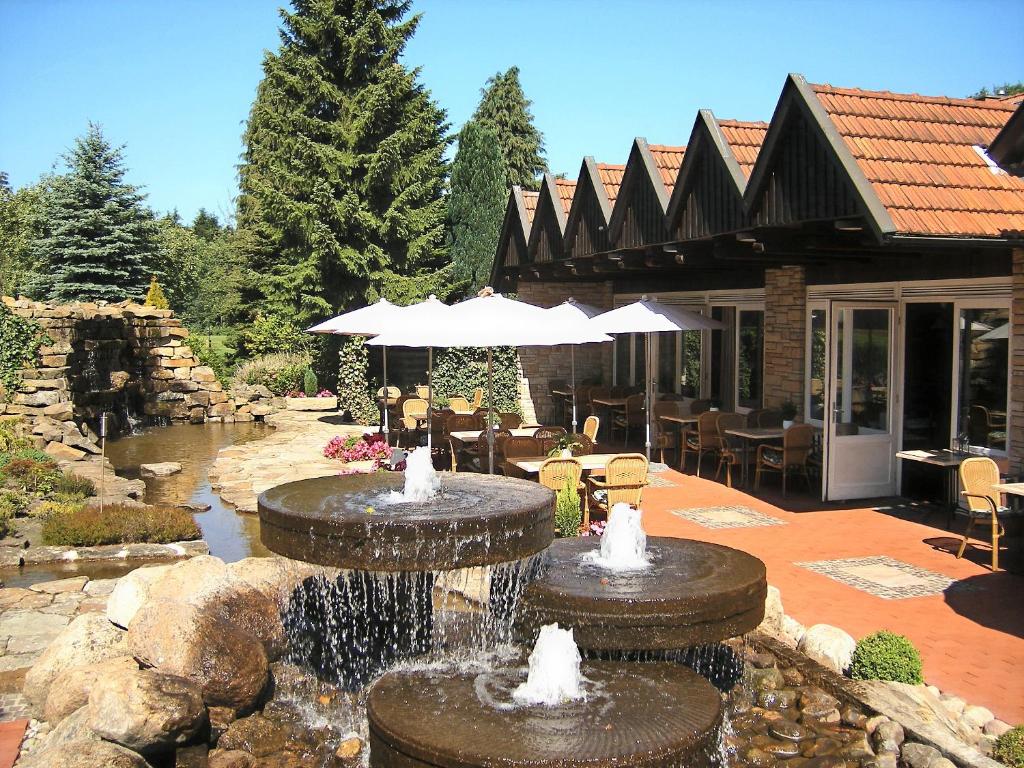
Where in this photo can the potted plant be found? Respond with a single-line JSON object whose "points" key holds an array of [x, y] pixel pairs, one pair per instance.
{"points": [[788, 411], [567, 446]]}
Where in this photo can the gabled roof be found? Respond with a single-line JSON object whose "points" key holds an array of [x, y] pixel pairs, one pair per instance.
{"points": [[596, 189], [566, 189], [611, 178], [649, 172], [744, 139], [1007, 148], [668, 159], [515, 232], [923, 157], [548, 227], [529, 203]]}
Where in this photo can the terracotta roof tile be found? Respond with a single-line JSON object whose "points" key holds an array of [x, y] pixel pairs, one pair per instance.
{"points": [[566, 189], [668, 159], [745, 139], [611, 177], [530, 203], [919, 153]]}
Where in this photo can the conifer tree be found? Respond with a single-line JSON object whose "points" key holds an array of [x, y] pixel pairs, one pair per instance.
{"points": [[343, 171], [504, 107], [155, 295], [99, 239], [476, 204]]}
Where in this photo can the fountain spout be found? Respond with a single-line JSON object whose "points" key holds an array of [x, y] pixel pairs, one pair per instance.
{"points": [[624, 542], [421, 479], [554, 676]]}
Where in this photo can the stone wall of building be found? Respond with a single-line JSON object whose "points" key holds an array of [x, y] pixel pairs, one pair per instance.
{"points": [[1016, 436], [785, 335], [541, 364], [123, 359]]}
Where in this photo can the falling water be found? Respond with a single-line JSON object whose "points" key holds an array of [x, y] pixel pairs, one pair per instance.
{"points": [[554, 677], [624, 543], [421, 479]]}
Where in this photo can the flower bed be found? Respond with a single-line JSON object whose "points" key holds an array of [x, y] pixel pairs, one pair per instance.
{"points": [[362, 453]]}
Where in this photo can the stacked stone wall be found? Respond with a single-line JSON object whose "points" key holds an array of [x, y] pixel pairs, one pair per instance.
{"points": [[785, 335], [119, 358], [541, 364]]}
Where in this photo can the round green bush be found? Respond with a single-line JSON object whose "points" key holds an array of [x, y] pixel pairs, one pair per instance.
{"points": [[1009, 748], [886, 656]]}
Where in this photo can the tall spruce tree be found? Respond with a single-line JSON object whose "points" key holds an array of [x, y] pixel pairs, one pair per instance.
{"points": [[343, 171], [504, 107], [476, 203], [99, 241]]}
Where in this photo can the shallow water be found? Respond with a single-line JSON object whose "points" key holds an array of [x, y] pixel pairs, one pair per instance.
{"points": [[231, 535]]}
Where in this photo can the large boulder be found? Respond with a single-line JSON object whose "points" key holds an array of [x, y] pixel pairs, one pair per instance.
{"points": [[276, 577], [88, 639], [85, 753], [829, 646], [191, 579], [70, 689], [146, 711], [773, 613], [131, 592], [228, 663]]}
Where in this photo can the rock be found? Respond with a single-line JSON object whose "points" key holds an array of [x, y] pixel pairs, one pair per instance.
{"points": [[887, 736], [976, 717], [773, 613], [996, 728], [942, 762], [986, 744], [920, 713], [792, 676], [228, 663], [349, 749], [81, 442], [829, 646], [203, 373], [160, 469], [74, 584], [70, 689], [762, 660], [852, 717], [276, 577], [920, 755], [249, 610], [256, 734], [100, 587], [953, 704], [88, 639], [769, 679], [883, 760], [873, 722], [74, 727], [131, 592], [85, 754], [792, 631], [61, 452], [220, 719], [60, 411], [190, 579], [145, 710], [230, 758]]}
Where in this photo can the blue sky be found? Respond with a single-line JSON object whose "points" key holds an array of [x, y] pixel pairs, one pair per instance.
{"points": [[174, 80]]}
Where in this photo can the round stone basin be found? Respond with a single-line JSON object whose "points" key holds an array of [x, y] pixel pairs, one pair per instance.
{"points": [[347, 521], [656, 714], [692, 593]]}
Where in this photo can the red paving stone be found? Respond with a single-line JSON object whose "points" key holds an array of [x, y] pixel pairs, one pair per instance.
{"points": [[971, 640], [11, 734]]}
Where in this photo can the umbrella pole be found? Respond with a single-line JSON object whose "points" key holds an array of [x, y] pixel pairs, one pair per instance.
{"points": [[490, 412], [647, 397], [430, 394], [386, 430], [572, 358]]}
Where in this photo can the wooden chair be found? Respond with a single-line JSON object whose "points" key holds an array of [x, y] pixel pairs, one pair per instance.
{"points": [[459, 422], [984, 429], [556, 472], [977, 476], [590, 427], [460, 405], [732, 451], [510, 420], [702, 440], [548, 437], [477, 454], [516, 447], [478, 398], [624, 479], [665, 436], [584, 445], [797, 443], [697, 407], [632, 417]]}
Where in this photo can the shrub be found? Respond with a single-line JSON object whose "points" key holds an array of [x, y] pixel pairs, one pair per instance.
{"points": [[886, 656], [155, 295], [270, 333], [14, 502], [20, 340], [568, 516], [31, 474], [460, 370], [1009, 748], [309, 383], [74, 485], [85, 526], [11, 437], [5, 522], [278, 372], [354, 394]]}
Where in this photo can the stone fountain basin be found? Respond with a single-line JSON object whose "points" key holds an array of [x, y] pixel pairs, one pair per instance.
{"points": [[343, 521], [656, 714], [693, 592]]}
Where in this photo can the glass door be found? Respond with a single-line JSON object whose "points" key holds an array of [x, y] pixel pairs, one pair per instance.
{"points": [[860, 445]]}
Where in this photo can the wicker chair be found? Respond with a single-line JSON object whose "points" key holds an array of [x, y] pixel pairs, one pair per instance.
{"points": [[665, 437], [414, 412], [556, 472], [632, 417], [769, 417], [624, 479], [599, 393], [510, 420], [732, 450], [460, 405], [478, 398], [797, 443], [590, 427], [422, 391], [517, 448], [393, 394], [459, 422], [549, 437], [702, 440], [697, 407], [977, 476]]}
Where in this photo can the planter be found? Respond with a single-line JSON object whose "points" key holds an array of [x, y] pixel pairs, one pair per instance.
{"points": [[311, 403], [787, 423], [365, 466]]}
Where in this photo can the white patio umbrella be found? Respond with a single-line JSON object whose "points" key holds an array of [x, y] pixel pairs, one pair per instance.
{"points": [[491, 320], [997, 333], [575, 312], [365, 321], [648, 316]]}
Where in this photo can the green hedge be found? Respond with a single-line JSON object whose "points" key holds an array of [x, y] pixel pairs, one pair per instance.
{"points": [[460, 370], [886, 656], [1009, 748]]}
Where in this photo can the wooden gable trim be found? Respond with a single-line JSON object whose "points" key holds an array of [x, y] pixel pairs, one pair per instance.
{"points": [[543, 244], [590, 197], [798, 98], [641, 175], [515, 234], [1007, 148]]}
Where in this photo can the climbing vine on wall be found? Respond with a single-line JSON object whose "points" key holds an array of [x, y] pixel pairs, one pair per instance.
{"points": [[460, 370], [354, 393], [20, 339]]}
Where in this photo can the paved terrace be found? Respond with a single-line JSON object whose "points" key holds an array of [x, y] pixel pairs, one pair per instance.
{"points": [[863, 570]]}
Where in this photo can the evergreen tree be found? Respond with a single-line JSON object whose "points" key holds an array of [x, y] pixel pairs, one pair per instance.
{"points": [[155, 295], [476, 204], [205, 225], [505, 108], [99, 241], [343, 171]]}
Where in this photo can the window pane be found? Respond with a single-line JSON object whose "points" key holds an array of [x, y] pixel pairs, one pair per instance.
{"points": [[691, 364], [984, 346], [667, 361], [816, 407], [723, 358], [862, 370], [622, 359], [751, 364]]}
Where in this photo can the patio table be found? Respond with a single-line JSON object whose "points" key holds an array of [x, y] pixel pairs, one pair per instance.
{"points": [[594, 463], [608, 406], [472, 435], [682, 422], [748, 435], [947, 460]]}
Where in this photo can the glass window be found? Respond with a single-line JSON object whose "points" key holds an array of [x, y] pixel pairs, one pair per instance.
{"points": [[862, 371], [622, 353], [722, 358], [751, 358], [816, 392], [667, 378], [690, 369], [983, 376]]}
